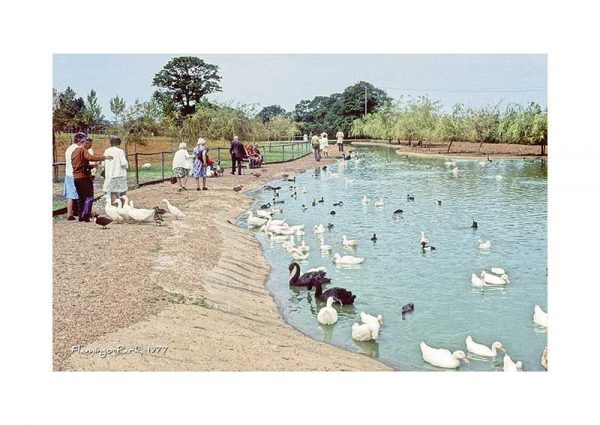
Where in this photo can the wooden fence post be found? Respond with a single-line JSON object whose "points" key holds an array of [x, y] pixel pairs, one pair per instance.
{"points": [[137, 174], [162, 164]]}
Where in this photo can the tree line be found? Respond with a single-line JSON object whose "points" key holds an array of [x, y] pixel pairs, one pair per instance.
{"points": [[179, 109]]}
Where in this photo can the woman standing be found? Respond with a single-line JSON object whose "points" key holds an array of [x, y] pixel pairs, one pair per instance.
{"points": [[200, 159], [182, 165], [324, 142], [115, 170]]}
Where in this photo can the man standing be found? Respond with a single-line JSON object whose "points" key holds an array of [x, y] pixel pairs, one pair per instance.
{"points": [[238, 152], [316, 145], [82, 174], [340, 140]]}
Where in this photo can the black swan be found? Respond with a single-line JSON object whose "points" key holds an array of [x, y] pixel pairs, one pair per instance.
{"points": [[407, 308], [102, 221], [474, 225], [307, 278], [340, 295]]}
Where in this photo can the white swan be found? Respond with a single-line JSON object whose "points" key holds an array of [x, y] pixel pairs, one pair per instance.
{"points": [[493, 279], [441, 357], [327, 315], [111, 211], [173, 209], [139, 214], [362, 332], [349, 242], [319, 229], [423, 238], [264, 214], [477, 282], [483, 350], [484, 245], [540, 317], [347, 259], [379, 203], [365, 200], [271, 222], [498, 270], [368, 318], [455, 171], [324, 247], [510, 366], [298, 255], [255, 221]]}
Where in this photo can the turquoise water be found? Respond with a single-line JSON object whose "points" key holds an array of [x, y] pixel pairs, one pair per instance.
{"points": [[511, 213]]}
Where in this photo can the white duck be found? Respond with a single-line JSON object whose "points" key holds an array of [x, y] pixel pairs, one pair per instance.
{"points": [[540, 317], [347, 259], [111, 211], [498, 270], [349, 242], [477, 282], [510, 366], [174, 210], [255, 221], [139, 214], [492, 279], [441, 357], [365, 200], [328, 315], [379, 203], [484, 245], [319, 229], [122, 210], [483, 350]]}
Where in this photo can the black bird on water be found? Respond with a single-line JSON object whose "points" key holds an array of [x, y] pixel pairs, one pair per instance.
{"points": [[332, 212], [314, 202], [102, 221], [324, 167], [474, 225], [374, 238], [338, 204], [321, 200], [279, 202], [407, 308], [438, 202], [265, 206], [398, 211], [330, 226], [304, 207], [410, 198]]}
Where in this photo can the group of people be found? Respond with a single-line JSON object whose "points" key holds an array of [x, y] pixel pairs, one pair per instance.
{"points": [[320, 145], [80, 172], [240, 152], [198, 165]]}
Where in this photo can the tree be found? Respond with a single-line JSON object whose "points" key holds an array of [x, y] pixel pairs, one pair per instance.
{"points": [[68, 111], [269, 112], [117, 107], [482, 125], [452, 127], [93, 111], [353, 102], [185, 80]]}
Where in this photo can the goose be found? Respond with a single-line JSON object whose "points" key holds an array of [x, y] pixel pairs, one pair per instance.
{"points": [[327, 315], [540, 317], [173, 209], [317, 275], [121, 210], [493, 279], [304, 247], [477, 282], [423, 239], [347, 259], [139, 214], [319, 229], [365, 200], [498, 177], [340, 295], [510, 366], [349, 242], [498, 270], [379, 203], [427, 248], [484, 245], [255, 221], [264, 214], [410, 198], [441, 357], [362, 332], [407, 308], [374, 238], [146, 166], [111, 211], [483, 350], [102, 221], [474, 225]]}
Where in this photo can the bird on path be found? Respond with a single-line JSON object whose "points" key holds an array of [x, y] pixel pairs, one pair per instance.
{"points": [[102, 221]]}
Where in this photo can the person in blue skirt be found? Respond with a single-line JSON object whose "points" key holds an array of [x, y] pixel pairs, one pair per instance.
{"points": [[200, 163]]}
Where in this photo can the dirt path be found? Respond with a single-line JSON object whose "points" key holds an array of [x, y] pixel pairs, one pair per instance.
{"points": [[196, 286]]}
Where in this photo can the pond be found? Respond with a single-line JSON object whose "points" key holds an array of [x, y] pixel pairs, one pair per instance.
{"points": [[507, 198]]}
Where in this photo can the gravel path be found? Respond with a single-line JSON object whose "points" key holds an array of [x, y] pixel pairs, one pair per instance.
{"points": [[196, 286]]}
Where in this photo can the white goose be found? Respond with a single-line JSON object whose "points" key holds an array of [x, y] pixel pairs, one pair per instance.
{"points": [[173, 209], [327, 315], [319, 229], [121, 209], [493, 279], [483, 350], [510, 366], [365, 200], [255, 221], [540, 317], [349, 242], [379, 203], [139, 214], [484, 245], [347, 259], [112, 211], [441, 357], [477, 282]]}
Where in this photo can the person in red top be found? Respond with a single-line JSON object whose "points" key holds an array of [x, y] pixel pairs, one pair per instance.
{"points": [[82, 174]]}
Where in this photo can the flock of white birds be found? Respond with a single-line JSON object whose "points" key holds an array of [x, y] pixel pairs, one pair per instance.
{"points": [[126, 211]]}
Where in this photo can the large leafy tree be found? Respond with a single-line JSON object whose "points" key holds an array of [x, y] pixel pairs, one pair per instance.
{"points": [[267, 113], [184, 81], [68, 111], [353, 102]]}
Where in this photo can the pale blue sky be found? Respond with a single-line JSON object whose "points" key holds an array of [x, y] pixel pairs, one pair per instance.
{"points": [[475, 80]]}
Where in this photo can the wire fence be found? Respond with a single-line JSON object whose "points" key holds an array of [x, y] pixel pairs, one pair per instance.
{"points": [[152, 168]]}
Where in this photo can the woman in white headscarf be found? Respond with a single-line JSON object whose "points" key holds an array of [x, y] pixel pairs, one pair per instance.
{"points": [[324, 142], [182, 164], [200, 163], [115, 170]]}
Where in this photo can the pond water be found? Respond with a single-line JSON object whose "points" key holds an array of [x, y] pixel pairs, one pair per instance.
{"points": [[511, 213]]}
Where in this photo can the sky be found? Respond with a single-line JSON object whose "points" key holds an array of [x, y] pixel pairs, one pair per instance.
{"points": [[475, 80]]}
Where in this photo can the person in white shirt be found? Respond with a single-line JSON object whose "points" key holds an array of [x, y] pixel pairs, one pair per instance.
{"points": [[324, 142], [182, 164], [115, 170], [340, 140], [69, 190]]}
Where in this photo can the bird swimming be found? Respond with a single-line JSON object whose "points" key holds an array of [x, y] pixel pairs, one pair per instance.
{"points": [[474, 225], [374, 238], [398, 211], [332, 212], [340, 295], [425, 247], [310, 277], [314, 202], [407, 308], [410, 198], [321, 200], [327, 315], [329, 226], [338, 204]]}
